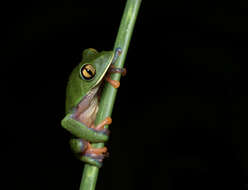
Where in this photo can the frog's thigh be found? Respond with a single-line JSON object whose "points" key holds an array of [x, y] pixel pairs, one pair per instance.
{"points": [[79, 130]]}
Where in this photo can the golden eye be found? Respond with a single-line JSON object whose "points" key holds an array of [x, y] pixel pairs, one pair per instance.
{"points": [[88, 72]]}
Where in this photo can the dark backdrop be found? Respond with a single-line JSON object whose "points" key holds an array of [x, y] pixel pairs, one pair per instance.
{"points": [[180, 118]]}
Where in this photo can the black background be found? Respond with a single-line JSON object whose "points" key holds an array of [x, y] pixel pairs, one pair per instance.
{"points": [[180, 117]]}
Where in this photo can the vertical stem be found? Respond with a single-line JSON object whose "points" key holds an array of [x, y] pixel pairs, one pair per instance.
{"points": [[106, 104]]}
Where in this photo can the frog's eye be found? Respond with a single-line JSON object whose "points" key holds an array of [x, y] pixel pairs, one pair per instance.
{"points": [[88, 71]]}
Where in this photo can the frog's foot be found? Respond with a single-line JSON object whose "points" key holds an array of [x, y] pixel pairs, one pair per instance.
{"points": [[95, 153], [100, 126], [111, 70], [85, 152], [114, 69], [84, 148], [94, 156], [114, 83]]}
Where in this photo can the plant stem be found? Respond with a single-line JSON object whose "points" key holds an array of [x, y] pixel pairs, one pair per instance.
{"points": [[106, 104]]}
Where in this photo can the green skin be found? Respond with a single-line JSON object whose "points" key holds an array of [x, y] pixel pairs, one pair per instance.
{"points": [[77, 89]]}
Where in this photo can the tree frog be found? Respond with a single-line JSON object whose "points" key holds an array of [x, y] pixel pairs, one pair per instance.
{"points": [[83, 94]]}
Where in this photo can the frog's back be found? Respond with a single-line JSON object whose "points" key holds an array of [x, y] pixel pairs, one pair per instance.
{"points": [[74, 90]]}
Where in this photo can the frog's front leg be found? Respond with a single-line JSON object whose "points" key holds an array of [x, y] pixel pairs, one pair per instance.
{"points": [[91, 134], [100, 126], [113, 69], [87, 153]]}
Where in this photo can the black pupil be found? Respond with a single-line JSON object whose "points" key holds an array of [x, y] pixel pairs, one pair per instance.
{"points": [[89, 72]]}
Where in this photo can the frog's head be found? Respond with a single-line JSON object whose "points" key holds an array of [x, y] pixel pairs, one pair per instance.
{"points": [[94, 67], [85, 79]]}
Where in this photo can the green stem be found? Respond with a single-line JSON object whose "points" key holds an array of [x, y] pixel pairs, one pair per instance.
{"points": [[106, 104]]}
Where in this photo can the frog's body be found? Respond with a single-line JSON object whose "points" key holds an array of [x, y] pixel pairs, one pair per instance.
{"points": [[82, 96]]}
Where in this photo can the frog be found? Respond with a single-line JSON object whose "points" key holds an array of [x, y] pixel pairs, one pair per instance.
{"points": [[83, 94]]}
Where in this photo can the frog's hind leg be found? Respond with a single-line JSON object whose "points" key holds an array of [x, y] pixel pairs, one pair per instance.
{"points": [[85, 152], [80, 130]]}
